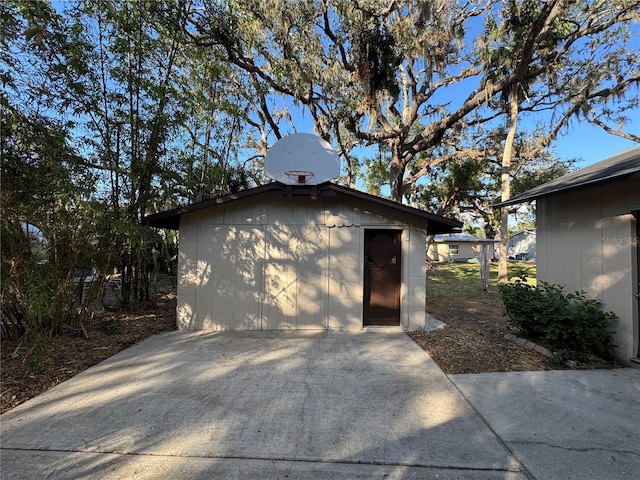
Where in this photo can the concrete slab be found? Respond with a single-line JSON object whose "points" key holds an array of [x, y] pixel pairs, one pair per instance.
{"points": [[73, 465], [231, 405], [563, 424]]}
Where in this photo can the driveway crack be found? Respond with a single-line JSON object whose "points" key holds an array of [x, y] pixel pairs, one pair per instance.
{"points": [[283, 459], [576, 449]]}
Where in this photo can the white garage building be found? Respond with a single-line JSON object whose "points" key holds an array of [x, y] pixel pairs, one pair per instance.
{"points": [[285, 257]]}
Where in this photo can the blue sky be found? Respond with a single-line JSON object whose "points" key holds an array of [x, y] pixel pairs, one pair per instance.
{"points": [[593, 144], [581, 140]]}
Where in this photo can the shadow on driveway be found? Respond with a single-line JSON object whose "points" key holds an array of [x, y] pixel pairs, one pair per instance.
{"points": [[256, 405]]}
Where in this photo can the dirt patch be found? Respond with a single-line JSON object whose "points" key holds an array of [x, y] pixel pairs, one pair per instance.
{"points": [[108, 333], [473, 340]]}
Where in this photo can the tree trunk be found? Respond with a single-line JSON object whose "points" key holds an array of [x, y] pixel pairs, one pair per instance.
{"points": [[396, 174], [503, 275], [430, 240]]}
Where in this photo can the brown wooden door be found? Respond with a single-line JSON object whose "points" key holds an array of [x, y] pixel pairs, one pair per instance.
{"points": [[382, 277]]}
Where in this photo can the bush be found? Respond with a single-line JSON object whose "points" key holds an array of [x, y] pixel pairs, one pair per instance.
{"points": [[570, 325]]}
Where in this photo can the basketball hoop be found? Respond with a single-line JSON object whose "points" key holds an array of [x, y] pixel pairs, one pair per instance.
{"points": [[301, 159], [300, 176]]}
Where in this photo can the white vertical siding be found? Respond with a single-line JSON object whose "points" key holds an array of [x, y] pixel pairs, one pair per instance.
{"points": [[277, 262], [414, 306], [522, 243], [346, 278], [586, 241], [187, 276], [313, 268], [280, 278]]}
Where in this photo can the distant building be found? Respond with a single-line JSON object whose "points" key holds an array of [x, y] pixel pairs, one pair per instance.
{"points": [[522, 246], [457, 247]]}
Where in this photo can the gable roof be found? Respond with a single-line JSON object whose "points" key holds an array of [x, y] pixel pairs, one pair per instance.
{"points": [[525, 233], [433, 223], [461, 238], [613, 168]]}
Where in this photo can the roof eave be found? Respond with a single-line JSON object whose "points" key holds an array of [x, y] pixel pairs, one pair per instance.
{"points": [[171, 218], [612, 169], [534, 194], [434, 223]]}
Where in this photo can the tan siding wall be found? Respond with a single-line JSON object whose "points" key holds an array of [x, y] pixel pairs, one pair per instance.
{"points": [[585, 241], [440, 252], [225, 291], [346, 274], [187, 276], [237, 277], [312, 281], [542, 239], [276, 262], [280, 278], [414, 303], [295, 277]]}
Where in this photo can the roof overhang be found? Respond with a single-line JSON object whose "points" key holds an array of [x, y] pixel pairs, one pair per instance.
{"points": [[612, 169], [462, 238], [453, 240], [433, 223]]}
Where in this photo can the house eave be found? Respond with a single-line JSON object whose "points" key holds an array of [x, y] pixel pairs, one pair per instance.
{"points": [[433, 223], [618, 167]]}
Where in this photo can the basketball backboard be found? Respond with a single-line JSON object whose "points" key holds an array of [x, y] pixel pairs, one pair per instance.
{"points": [[302, 158]]}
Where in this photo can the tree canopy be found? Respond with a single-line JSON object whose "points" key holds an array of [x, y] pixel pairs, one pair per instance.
{"points": [[410, 77]]}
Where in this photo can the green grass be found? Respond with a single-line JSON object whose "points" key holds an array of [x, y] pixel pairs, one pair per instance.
{"points": [[462, 280]]}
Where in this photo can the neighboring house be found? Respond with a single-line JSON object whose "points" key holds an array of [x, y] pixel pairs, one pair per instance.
{"points": [[458, 247], [522, 246], [285, 257], [587, 239]]}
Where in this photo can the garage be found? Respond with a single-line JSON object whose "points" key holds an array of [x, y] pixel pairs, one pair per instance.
{"points": [[301, 256]]}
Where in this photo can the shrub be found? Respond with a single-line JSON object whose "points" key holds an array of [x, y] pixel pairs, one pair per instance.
{"points": [[567, 324], [523, 305]]}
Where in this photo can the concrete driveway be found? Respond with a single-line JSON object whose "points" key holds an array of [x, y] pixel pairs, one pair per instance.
{"points": [[320, 406], [565, 424], [256, 405]]}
